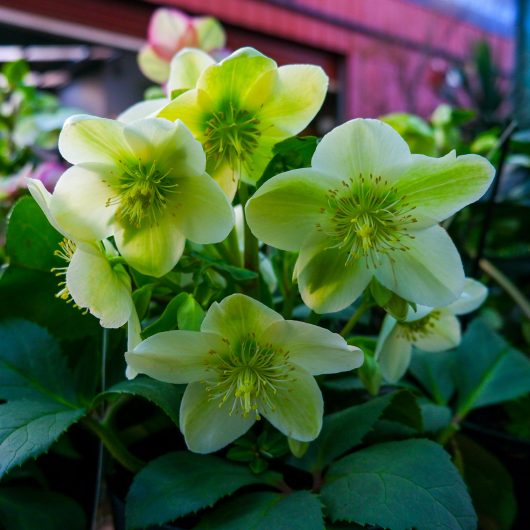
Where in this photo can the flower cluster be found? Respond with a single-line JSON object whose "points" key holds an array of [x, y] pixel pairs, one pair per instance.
{"points": [[365, 213]]}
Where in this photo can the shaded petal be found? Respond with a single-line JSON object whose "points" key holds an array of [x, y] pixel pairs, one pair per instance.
{"points": [[96, 285], [297, 96], [443, 333], [87, 138], [144, 109], [175, 356], [439, 187], [298, 407], [187, 108], [325, 282], [186, 68], [393, 352], [80, 201], [226, 177], [152, 65], [204, 214], [206, 426], [233, 77], [238, 316], [170, 145], [43, 198], [361, 146], [429, 273], [315, 349], [472, 297], [169, 30], [210, 33], [152, 249], [420, 312], [287, 208]]}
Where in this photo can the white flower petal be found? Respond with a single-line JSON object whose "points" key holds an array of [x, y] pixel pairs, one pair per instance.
{"points": [[144, 109], [393, 351], [315, 349], [472, 297], [186, 68], [206, 426], [443, 333], [175, 356]]}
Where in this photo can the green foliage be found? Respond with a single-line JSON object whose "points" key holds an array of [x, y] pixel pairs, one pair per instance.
{"points": [[178, 484], [42, 402], [399, 485], [490, 485], [344, 430], [28, 282], [164, 395], [416, 131], [30, 427], [27, 509], [488, 370], [435, 373], [266, 511]]}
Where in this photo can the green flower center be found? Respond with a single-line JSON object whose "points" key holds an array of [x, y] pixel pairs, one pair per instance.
{"points": [[367, 218], [231, 136], [142, 193], [412, 331], [248, 376]]}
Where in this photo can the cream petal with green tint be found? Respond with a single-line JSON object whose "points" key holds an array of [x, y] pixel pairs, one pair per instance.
{"points": [[187, 108], [442, 334], [325, 282], [297, 407], [151, 249], [472, 298], [316, 350], [233, 77], [361, 147], [297, 95], [144, 109], [186, 68], [210, 33], [168, 145], [238, 316], [206, 426], [87, 138], [82, 201], [202, 211], [94, 284], [439, 187], [287, 208], [393, 353], [175, 356], [429, 273], [153, 66]]}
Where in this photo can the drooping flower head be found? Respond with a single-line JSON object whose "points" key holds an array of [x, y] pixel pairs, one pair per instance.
{"points": [[240, 108], [245, 363], [427, 328], [89, 278], [368, 208], [171, 30], [143, 183]]}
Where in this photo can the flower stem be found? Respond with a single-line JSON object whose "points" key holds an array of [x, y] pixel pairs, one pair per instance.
{"points": [[113, 445], [251, 256], [357, 314]]}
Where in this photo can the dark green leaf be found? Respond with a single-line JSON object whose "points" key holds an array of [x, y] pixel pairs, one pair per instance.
{"points": [[435, 417], [29, 509], [178, 484], [31, 240], [164, 395], [31, 364], [267, 511], [399, 485], [489, 370], [168, 320], [190, 314], [490, 485], [28, 428], [344, 430], [142, 298], [434, 372]]}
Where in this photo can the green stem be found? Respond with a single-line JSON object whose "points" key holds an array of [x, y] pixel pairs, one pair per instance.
{"points": [[516, 295], [114, 445], [251, 256], [229, 249], [357, 314]]}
